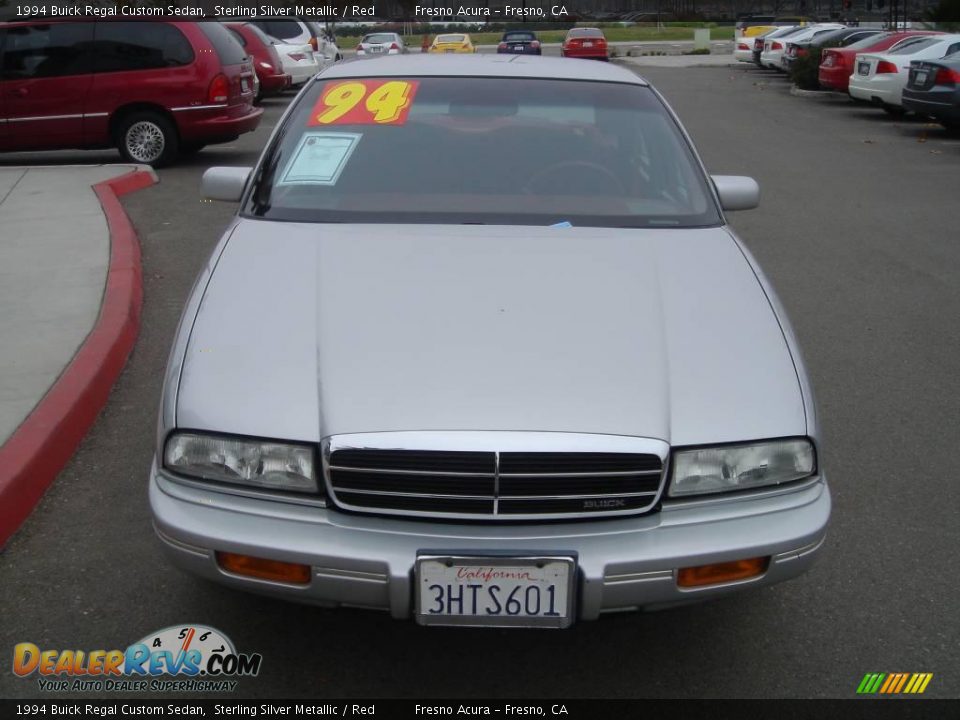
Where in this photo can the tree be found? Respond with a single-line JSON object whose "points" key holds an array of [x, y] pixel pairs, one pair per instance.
{"points": [[946, 15]]}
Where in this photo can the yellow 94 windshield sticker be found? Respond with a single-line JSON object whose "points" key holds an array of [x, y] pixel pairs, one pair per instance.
{"points": [[364, 102]]}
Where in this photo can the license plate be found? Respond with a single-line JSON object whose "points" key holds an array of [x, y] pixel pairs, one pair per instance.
{"points": [[863, 68], [376, 49], [588, 44], [449, 50], [495, 591], [921, 78]]}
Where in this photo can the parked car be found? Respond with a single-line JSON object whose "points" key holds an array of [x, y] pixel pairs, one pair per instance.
{"points": [[836, 65], [428, 423], [810, 32], [933, 89], [760, 43], [834, 38], [299, 32], [774, 46], [743, 50], [880, 77], [326, 42], [266, 60], [523, 42], [381, 43], [300, 62], [452, 43], [152, 90], [749, 21], [582, 42]]}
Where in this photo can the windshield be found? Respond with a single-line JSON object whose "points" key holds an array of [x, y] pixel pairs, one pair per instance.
{"points": [[451, 38], [584, 33], [915, 47], [481, 150], [868, 42], [519, 36], [379, 39]]}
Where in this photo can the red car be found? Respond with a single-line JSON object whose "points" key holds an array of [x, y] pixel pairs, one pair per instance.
{"points": [[585, 43], [266, 60], [151, 89], [836, 64]]}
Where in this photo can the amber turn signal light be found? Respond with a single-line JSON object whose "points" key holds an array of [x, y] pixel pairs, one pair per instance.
{"points": [[722, 572], [264, 569]]}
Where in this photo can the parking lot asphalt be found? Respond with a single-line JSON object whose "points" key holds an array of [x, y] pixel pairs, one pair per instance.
{"points": [[856, 230]]}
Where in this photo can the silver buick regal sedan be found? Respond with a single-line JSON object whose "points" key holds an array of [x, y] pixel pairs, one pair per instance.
{"points": [[479, 348]]}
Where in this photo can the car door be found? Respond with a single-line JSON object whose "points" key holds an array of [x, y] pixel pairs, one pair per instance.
{"points": [[45, 78]]}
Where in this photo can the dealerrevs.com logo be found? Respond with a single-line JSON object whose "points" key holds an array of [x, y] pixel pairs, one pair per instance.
{"points": [[199, 658]]}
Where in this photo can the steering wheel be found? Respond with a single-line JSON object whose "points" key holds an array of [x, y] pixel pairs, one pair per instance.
{"points": [[613, 183]]}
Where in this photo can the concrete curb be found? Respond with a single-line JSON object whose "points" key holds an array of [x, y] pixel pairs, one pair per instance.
{"points": [[39, 449], [823, 95]]}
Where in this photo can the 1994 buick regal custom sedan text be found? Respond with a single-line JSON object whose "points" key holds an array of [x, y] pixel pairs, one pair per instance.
{"points": [[480, 349]]}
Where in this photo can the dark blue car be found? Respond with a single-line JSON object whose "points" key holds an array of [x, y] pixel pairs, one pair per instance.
{"points": [[522, 42], [933, 89]]}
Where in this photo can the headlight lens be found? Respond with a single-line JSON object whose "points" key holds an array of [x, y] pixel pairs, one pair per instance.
{"points": [[740, 467], [256, 463]]}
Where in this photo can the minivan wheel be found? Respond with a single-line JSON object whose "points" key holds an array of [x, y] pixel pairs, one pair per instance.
{"points": [[148, 138]]}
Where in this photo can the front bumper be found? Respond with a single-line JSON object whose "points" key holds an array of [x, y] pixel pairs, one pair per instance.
{"points": [[367, 561]]}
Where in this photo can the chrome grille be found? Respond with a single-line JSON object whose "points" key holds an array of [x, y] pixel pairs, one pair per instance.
{"points": [[490, 484]]}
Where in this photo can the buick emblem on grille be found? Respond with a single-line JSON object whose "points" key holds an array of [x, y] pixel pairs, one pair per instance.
{"points": [[605, 504]]}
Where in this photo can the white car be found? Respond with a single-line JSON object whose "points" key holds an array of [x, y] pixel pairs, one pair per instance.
{"points": [[743, 51], [772, 56], [880, 77], [299, 32], [775, 43], [381, 43], [299, 61]]}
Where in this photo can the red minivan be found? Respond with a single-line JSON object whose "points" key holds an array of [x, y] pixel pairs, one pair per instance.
{"points": [[152, 89]]}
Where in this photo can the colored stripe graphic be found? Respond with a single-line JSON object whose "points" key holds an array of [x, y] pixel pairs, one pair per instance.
{"points": [[894, 683]]}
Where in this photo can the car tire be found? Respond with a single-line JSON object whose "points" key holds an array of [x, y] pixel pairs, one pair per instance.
{"points": [[148, 138]]}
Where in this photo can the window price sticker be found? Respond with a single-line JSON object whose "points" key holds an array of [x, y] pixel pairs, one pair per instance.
{"points": [[319, 158], [364, 102]]}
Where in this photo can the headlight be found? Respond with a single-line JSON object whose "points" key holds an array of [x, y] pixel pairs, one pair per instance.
{"points": [[740, 467], [255, 463]]}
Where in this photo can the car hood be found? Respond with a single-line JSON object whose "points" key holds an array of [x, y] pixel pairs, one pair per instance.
{"points": [[309, 330]]}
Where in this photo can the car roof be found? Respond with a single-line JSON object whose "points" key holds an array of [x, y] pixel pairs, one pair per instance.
{"points": [[481, 65]]}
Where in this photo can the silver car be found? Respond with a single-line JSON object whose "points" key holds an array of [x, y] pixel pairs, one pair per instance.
{"points": [[384, 43], [532, 378]]}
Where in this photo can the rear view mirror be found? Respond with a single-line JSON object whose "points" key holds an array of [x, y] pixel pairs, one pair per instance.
{"points": [[225, 183], [737, 192]]}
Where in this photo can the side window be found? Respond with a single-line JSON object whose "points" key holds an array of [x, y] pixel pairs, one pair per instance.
{"points": [[283, 29], [952, 49], [238, 37], [227, 47], [48, 50], [140, 46]]}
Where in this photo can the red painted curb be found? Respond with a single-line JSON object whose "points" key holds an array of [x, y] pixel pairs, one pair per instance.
{"points": [[46, 440]]}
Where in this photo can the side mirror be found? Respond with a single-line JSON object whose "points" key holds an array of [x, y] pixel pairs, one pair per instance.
{"points": [[736, 192], [225, 183]]}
